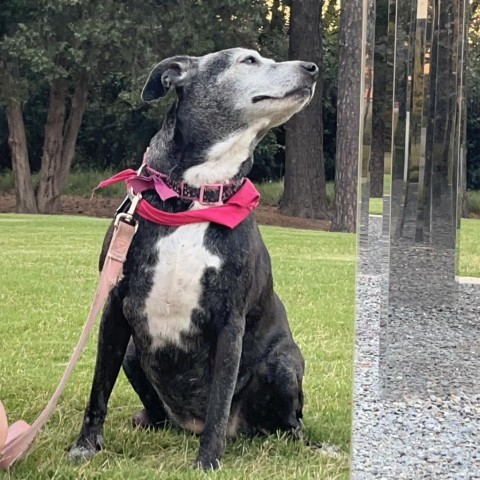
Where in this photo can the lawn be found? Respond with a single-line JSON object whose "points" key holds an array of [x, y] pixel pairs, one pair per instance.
{"points": [[469, 248], [48, 271]]}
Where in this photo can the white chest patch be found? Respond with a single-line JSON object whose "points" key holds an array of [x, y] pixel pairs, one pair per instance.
{"points": [[176, 286]]}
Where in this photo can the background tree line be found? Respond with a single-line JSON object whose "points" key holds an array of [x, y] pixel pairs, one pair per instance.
{"points": [[71, 72], [116, 124], [473, 99]]}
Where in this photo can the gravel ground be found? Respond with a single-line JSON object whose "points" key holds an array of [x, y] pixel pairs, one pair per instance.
{"points": [[417, 375]]}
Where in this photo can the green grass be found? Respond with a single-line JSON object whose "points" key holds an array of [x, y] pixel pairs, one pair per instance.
{"points": [[474, 202], [376, 206], [7, 182], [271, 192], [47, 277], [469, 264], [82, 182]]}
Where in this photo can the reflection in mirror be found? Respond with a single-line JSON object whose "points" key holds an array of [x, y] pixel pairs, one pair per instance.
{"points": [[424, 192], [372, 268], [468, 246], [417, 362]]}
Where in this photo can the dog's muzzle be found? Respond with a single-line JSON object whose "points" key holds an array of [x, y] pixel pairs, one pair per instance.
{"points": [[300, 92]]}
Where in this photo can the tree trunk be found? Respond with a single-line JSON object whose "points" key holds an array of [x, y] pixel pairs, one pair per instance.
{"points": [[48, 195], [348, 117], [60, 141], [305, 190], [369, 69], [72, 127], [379, 106], [17, 141], [465, 208]]}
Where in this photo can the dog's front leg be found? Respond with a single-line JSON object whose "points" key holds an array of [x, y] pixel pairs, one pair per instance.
{"points": [[227, 361], [113, 338]]}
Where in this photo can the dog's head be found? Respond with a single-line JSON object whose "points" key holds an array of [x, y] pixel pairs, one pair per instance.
{"points": [[228, 100]]}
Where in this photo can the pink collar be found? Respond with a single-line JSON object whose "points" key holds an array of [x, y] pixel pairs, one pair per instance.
{"points": [[228, 210]]}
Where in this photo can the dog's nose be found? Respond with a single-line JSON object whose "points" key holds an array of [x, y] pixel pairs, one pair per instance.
{"points": [[311, 68]]}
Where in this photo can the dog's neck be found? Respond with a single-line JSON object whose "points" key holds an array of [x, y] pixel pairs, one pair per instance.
{"points": [[199, 159]]}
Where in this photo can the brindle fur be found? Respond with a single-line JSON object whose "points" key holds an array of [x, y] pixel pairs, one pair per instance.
{"points": [[237, 370]]}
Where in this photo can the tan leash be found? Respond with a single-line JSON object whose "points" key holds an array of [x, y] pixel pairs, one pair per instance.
{"points": [[16, 439]]}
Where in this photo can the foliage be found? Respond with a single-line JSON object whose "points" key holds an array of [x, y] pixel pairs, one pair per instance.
{"points": [[118, 42], [331, 23], [118, 45], [469, 253], [473, 102]]}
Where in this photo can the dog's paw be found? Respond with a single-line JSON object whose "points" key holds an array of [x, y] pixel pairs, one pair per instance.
{"points": [[85, 448], [206, 463]]}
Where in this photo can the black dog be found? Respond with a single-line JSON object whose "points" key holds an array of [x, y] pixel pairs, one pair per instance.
{"points": [[202, 336]]}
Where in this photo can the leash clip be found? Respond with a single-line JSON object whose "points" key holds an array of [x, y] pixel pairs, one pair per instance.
{"points": [[127, 217]]}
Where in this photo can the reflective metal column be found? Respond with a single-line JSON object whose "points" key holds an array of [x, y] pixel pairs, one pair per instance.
{"points": [[422, 349], [417, 363]]}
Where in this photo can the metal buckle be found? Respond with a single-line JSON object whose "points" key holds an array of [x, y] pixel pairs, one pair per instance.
{"points": [[127, 217], [208, 187], [123, 206]]}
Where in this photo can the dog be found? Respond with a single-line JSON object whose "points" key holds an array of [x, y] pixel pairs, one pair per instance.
{"points": [[202, 336]]}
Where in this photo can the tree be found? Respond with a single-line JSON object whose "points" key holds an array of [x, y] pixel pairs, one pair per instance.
{"points": [[380, 99], [464, 206], [13, 90], [305, 189], [348, 117], [330, 22], [67, 45], [471, 154], [17, 140], [73, 46]]}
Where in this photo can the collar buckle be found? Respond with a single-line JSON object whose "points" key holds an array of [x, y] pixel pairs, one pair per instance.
{"points": [[211, 186]]}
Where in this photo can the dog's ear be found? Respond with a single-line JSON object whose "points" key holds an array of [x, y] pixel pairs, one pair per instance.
{"points": [[171, 71]]}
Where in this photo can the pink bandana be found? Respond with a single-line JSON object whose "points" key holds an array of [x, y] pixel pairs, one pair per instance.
{"points": [[230, 214]]}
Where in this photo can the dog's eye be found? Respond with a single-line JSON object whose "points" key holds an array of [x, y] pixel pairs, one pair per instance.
{"points": [[249, 60]]}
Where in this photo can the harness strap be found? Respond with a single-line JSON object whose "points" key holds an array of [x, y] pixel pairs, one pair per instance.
{"points": [[16, 439]]}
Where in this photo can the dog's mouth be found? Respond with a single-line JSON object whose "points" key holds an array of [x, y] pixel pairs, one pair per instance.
{"points": [[300, 92]]}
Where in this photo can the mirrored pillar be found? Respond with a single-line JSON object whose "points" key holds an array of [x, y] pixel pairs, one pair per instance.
{"points": [[421, 356], [417, 365]]}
